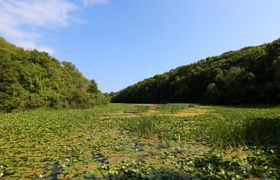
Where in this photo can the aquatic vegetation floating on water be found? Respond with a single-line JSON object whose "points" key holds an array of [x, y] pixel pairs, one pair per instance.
{"points": [[80, 144]]}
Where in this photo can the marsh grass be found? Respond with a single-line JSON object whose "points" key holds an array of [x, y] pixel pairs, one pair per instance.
{"points": [[240, 127], [173, 108], [168, 128], [142, 126], [142, 109], [262, 131]]}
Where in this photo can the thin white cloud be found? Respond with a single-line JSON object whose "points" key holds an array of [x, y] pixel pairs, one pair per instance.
{"points": [[22, 21], [95, 2], [18, 19], [30, 45], [39, 13]]}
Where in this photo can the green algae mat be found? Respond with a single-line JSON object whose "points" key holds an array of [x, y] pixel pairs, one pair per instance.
{"points": [[135, 141]]}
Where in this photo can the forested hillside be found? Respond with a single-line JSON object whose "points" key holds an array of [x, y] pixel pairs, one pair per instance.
{"points": [[32, 79], [250, 75]]}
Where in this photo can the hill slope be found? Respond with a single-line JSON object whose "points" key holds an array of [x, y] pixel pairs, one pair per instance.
{"points": [[250, 75], [32, 79]]}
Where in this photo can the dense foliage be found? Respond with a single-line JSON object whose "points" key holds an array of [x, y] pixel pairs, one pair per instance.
{"points": [[250, 75], [32, 79]]}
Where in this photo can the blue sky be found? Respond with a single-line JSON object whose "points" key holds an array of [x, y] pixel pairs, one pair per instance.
{"points": [[120, 42]]}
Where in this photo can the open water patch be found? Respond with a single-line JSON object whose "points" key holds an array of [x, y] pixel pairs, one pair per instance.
{"points": [[56, 170], [99, 157]]}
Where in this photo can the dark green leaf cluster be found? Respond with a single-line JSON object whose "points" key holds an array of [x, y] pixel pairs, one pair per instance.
{"points": [[33, 79], [260, 164], [250, 75]]}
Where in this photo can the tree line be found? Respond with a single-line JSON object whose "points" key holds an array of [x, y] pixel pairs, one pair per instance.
{"points": [[247, 76], [33, 79]]}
